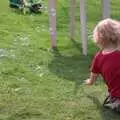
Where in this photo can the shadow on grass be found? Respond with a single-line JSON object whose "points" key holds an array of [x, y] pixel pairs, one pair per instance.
{"points": [[77, 45], [106, 114], [72, 67]]}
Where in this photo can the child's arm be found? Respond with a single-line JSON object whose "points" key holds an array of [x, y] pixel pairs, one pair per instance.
{"points": [[92, 79]]}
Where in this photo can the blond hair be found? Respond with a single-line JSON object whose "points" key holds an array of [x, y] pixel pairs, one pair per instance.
{"points": [[108, 30]]}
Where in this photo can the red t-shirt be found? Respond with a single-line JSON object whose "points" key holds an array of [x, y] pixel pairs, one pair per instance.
{"points": [[108, 65]]}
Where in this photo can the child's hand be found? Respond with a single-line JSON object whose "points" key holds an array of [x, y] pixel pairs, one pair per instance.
{"points": [[88, 82], [92, 79]]}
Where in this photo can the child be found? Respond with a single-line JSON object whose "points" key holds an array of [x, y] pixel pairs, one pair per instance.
{"points": [[107, 61]]}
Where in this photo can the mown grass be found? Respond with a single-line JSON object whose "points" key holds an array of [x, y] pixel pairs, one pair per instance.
{"points": [[37, 84]]}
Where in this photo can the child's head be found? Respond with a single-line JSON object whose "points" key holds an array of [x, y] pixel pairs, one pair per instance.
{"points": [[107, 32]]}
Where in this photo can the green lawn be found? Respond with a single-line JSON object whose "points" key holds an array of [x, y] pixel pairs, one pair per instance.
{"points": [[37, 84]]}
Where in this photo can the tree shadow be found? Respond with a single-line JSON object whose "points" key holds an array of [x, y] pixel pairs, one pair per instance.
{"points": [[106, 114], [73, 68], [77, 45]]}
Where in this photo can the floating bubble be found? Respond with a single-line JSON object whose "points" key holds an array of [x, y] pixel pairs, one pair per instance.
{"points": [[2, 52], [38, 67], [41, 74], [52, 10], [7, 53], [53, 14], [22, 40], [37, 29], [44, 28], [24, 91], [17, 89]]}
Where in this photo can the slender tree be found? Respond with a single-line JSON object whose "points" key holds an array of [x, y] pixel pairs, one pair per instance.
{"points": [[83, 26], [72, 18], [105, 9], [52, 21]]}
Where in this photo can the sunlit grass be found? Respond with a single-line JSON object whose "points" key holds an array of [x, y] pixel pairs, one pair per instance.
{"points": [[37, 84]]}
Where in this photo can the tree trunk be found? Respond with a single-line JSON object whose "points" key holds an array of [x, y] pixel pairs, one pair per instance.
{"points": [[83, 27], [72, 18], [52, 22]]}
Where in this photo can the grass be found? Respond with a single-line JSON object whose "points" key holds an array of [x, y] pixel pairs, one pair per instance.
{"points": [[37, 84]]}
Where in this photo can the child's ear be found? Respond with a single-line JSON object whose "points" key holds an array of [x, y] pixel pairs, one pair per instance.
{"points": [[102, 42]]}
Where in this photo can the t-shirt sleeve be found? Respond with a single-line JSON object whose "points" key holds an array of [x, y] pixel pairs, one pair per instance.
{"points": [[95, 64]]}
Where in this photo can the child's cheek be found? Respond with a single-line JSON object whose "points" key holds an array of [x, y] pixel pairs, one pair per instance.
{"points": [[95, 37]]}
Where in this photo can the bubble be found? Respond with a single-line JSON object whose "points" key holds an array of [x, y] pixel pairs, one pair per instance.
{"points": [[53, 10], [41, 74], [17, 89], [7, 53], [21, 39], [37, 29], [38, 67]]}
